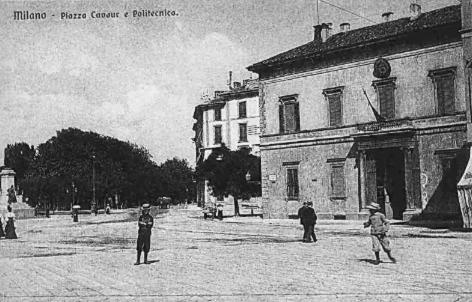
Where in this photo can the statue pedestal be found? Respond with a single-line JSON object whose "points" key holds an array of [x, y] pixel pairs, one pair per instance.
{"points": [[21, 209]]}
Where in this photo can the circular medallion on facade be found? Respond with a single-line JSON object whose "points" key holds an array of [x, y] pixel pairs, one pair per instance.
{"points": [[382, 68]]}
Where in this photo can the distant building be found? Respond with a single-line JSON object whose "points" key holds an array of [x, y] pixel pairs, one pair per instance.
{"points": [[321, 141], [230, 118]]}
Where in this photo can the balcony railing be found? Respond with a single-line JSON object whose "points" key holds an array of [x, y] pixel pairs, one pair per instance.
{"points": [[377, 126]]}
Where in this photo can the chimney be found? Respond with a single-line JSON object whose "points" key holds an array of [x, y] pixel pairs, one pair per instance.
{"points": [[230, 79], [387, 16], [345, 27], [325, 31], [236, 85], [415, 11], [317, 33]]}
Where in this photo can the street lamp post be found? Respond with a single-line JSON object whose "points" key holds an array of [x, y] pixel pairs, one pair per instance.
{"points": [[74, 190], [94, 202]]}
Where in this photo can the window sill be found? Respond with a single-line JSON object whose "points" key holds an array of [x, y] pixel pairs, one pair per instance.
{"points": [[290, 132], [337, 197]]}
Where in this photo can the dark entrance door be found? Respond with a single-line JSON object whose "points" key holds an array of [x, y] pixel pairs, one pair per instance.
{"points": [[385, 180]]}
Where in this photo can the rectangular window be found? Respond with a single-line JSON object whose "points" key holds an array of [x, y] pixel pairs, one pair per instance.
{"points": [[218, 138], [292, 183], [289, 114], [385, 89], [334, 98], [338, 189], [242, 133], [242, 109], [443, 80], [217, 114]]}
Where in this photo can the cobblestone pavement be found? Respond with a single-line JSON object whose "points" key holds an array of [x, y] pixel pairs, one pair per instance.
{"points": [[237, 259]]}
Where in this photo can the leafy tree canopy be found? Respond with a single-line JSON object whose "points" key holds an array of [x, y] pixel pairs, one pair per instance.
{"points": [[226, 172], [73, 160]]}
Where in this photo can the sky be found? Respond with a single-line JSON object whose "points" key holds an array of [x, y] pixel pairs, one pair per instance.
{"points": [[139, 78]]}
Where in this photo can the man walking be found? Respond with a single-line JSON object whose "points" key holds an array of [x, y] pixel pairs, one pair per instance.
{"points": [[145, 224], [308, 219], [379, 227], [300, 211]]}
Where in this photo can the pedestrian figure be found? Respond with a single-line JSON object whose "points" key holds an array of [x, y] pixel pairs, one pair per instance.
{"points": [[300, 210], [145, 224], [2, 233], [11, 195], [308, 219], [10, 226], [379, 227], [108, 209], [219, 208]]}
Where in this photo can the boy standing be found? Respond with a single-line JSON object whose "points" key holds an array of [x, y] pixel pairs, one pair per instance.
{"points": [[145, 224], [379, 227]]}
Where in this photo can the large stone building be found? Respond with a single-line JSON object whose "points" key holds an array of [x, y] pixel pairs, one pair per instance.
{"points": [[322, 141], [231, 118]]}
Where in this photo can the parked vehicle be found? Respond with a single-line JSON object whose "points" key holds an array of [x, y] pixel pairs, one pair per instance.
{"points": [[163, 202]]}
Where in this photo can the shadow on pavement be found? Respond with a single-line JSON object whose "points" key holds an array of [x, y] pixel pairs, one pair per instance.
{"points": [[372, 261], [251, 240], [153, 261], [48, 255]]}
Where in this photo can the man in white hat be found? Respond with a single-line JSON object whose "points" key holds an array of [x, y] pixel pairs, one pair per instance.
{"points": [[379, 227], [145, 224]]}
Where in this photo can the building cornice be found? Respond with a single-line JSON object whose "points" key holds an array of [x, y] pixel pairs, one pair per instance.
{"points": [[371, 61], [420, 126]]}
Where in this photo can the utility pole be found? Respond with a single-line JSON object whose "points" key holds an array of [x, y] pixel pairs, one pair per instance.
{"points": [[94, 202]]}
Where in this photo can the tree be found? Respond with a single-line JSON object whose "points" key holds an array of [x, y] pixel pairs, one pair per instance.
{"points": [[73, 155], [226, 172], [19, 157], [177, 179]]}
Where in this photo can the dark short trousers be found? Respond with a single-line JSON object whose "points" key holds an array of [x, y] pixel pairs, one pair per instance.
{"points": [[380, 240], [144, 241]]}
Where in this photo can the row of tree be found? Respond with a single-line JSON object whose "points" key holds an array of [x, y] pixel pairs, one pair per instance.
{"points": [[73, 164]]}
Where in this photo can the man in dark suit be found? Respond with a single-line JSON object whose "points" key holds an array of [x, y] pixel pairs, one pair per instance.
{"points": [[300, 211], [308, 219]]}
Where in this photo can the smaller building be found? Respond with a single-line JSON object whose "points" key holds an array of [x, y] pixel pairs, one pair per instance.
{"points": [[229, 118]]}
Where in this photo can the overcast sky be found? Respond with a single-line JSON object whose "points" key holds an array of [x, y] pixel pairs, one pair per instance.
{"points": [[139, 79]]}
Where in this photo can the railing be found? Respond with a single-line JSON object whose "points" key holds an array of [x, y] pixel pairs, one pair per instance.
{"points": [[376, 126]]}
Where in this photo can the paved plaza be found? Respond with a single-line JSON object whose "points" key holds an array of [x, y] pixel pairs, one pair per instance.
{"points": [[237, 259]]}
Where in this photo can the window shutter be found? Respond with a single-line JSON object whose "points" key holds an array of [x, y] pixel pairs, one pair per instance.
{"points": [[337, 181], [335, 118], [448, 94], [292, 183], [289, 117], [387, 101], [242, 110], [218, 138], [242, 132], [281, 118], [296, 110]]}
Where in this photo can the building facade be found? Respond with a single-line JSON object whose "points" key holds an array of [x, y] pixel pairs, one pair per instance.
{"points": [[375, 114], [230, 118]]}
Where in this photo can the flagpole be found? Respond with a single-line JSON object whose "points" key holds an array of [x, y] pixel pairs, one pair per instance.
{"points": [[378, 117]]}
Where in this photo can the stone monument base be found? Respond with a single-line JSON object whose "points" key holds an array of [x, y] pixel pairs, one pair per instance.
{"points": [[21, 210]]}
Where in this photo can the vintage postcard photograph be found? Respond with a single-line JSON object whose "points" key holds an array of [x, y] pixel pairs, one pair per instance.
{"points": [[235, 150]]}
